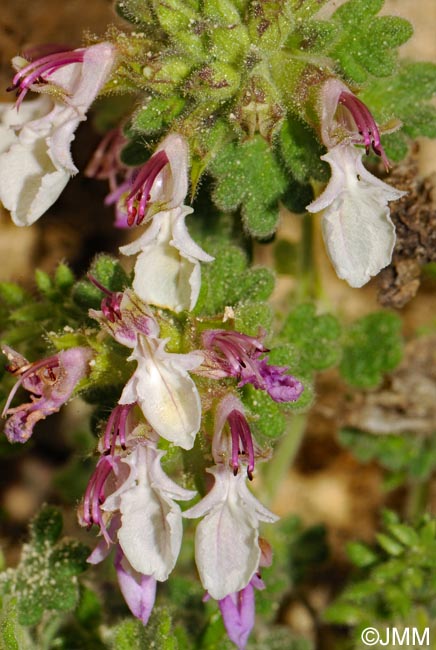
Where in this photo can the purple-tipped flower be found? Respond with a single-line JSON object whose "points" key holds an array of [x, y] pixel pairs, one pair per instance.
{"points": [[238, 612], [232, 354], [139, 590], [35, 159], [357, 228], [227, 552], [167, 270], [51, 383], [365, 123], [38, 72]]}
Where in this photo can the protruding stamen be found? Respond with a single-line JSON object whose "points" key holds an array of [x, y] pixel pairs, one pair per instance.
{"points": [[95, 494], [365, 124], [240, 431], [139, 196], [111, 304], [116, 428], [29, 371], [41, 69]]}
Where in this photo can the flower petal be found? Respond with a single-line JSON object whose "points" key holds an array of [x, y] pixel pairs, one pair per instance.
{"points": [[139, 590], [165, 392], [357, 228]]}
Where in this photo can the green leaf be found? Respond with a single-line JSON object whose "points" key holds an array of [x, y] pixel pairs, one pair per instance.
{"points": [[360, 554], [248, 175], [45, 579], [373, 346], [301, 151], [227, 281], [405, 534], [159, 633], [12, 635], [251, 317], [154, 116], [43, 282], [389, 544], [406, 97], [367, 44], [267, 420], [64, 277], [317, 338], [46, 527], [12, 295]]}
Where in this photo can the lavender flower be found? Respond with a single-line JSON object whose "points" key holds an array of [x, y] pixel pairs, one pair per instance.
{"points": [[232, 354], [238, 612], [51, 383]]}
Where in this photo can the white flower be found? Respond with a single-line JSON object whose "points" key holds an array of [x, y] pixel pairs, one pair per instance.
{"points": [[165, 392], [357, 229], [227, 552], [150, 534], [167, 271], [36, 164]]}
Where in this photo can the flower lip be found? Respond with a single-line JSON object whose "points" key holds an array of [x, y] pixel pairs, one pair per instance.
{"points": [[39, 71], [365, 124], [139, 196]]}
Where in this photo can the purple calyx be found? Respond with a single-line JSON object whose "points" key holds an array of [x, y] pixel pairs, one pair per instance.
{"points": [[40, 70], [139, 196], [365, 123]]}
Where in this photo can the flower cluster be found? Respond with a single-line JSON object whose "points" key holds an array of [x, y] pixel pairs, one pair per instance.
{"points": [[129, 497]]}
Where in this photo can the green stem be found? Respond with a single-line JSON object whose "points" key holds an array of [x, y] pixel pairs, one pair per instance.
{"points": [[47, 631], [308, 279], [285, 452], [417, 500]]}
